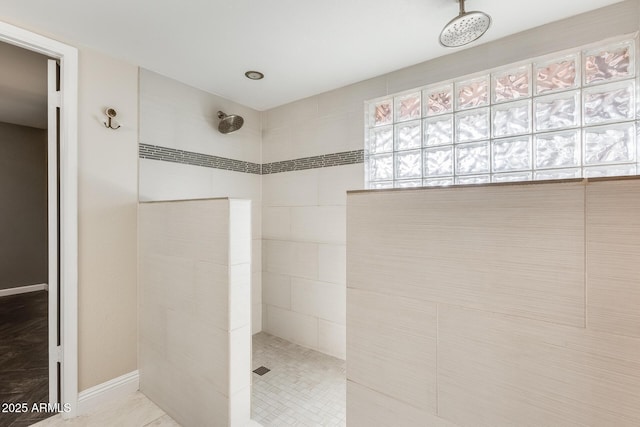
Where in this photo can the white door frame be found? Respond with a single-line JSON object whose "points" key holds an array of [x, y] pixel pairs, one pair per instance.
{"points": [[68, 221]]}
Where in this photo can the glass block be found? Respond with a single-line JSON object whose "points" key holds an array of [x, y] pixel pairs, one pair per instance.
{"points": [[510, 119], [381, 139], [408, 107], [609, 63], [557, 174], [472, 158], [611, 170], [408, 164], [472, 93], [607, 103], [512, 84], [557, 74], [479, 179], [381, 185], [438, 161], [609, 144], [437, 182], [382, 112], [511, 154], [411, 183], [408, 135], [557, 150], [472, 125], [438, 100], [557, 111], [512, 177], [381, 167], [438, 130]]}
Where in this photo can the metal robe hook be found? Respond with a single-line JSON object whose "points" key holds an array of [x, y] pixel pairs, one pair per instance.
{"points": [[111, 113]]}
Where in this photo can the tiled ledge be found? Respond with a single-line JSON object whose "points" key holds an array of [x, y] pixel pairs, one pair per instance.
{"points": [[155, 152]]}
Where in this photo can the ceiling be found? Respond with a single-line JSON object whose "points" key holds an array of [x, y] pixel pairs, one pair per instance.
{"points": [[23, 87], [304, 47]]}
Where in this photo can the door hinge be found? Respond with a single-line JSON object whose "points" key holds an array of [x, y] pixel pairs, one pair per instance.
{"points": [[58, 354], [55, 100]]}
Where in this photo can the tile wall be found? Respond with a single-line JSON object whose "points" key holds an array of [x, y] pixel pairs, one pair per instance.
{"points": [[304, 214], [495, 305], [195, 320], [183, 156]]}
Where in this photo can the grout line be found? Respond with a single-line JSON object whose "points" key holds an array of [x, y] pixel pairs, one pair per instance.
{"points": [[437, 356], [584, 266]]}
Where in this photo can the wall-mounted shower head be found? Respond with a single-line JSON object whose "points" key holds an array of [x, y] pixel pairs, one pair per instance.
{"points": [[229, 123], [464, 28]]}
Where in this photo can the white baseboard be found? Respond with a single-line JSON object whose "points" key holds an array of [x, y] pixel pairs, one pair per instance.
{"points": [[94, 397], [24, 289]]}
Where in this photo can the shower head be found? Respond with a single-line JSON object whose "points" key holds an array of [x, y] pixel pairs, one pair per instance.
{"points": [[230, 123], [464, 28]]}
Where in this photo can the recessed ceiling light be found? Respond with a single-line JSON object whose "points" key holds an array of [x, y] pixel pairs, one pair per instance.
{"points": [[254, 75]]}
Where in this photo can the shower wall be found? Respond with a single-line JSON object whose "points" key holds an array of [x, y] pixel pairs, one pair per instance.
{"points": [[495, 305], [303, 209], [183, 156], [304, 213], [194, 309]]}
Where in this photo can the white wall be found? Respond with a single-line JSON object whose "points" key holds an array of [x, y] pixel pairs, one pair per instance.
{"points": [[178, 116], [303, 211], [194, 313]]}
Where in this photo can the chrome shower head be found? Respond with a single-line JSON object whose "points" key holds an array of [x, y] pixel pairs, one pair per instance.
{"points": [[464, 28], [230, 123]]}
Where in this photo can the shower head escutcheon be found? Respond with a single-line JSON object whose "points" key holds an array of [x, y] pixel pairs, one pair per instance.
{"points": [[464, 28], [229, 123]]}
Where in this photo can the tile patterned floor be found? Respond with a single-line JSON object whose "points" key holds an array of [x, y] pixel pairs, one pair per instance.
{"points": [[303, 388], [24, 355]]}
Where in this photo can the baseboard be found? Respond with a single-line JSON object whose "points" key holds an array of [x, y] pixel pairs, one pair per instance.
{"points": [[94, 397], [23, 289]]}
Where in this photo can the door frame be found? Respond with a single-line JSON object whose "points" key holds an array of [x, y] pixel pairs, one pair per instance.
{"points": [[68, 219]]}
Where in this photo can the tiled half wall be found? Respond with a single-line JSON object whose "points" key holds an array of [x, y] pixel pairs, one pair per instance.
{"points": [[498, 305], [195, 309]]}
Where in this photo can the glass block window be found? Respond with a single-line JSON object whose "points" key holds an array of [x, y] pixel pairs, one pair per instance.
{"points": [[567, 115]]}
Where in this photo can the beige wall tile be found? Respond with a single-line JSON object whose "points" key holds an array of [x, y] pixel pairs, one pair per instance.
{"points": [[368, 408], [292, 258], [497, 370], [194, 317], [322, 224], [332, 339], [295, 327], [319, 299], [297, 188], [613, 257], [276, 223], [277, 289], [515, 249], [391, 347], [334, 182], [332, 263]]}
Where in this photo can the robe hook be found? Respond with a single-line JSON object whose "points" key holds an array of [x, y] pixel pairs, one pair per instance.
{"points": [[111, 113]]}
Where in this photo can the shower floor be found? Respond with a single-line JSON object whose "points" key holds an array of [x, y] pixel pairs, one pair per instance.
{"points": [[302, 388]]}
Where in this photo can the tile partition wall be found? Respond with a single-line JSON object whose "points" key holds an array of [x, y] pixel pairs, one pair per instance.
{"points": [[183, 156], [497, 305], [195, 312], [303, 211]]}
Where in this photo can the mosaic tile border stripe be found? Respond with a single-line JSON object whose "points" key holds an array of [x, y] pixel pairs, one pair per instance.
{"points": [[323, 161], [156, 152]]}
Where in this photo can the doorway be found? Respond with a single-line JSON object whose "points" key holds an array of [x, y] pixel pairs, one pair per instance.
{"points": [[61, 222], [29, 229]]}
